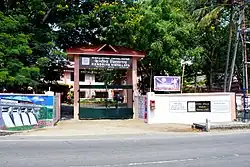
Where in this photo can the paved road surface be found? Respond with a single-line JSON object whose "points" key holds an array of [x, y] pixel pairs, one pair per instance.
{"points": [[199, 150]]}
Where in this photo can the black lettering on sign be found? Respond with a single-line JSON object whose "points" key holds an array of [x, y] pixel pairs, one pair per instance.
{"points": [[105, 62], [203, 106]]}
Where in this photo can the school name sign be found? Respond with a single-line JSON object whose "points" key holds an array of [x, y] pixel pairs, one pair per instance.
{"points": [[106, 62]]}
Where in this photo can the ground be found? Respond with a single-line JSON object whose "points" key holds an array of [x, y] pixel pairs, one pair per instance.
{"points": [[106, 127], [148, 150]]}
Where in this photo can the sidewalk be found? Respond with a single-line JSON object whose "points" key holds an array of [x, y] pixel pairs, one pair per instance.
{"points": [[224, 125], [105, 127]]}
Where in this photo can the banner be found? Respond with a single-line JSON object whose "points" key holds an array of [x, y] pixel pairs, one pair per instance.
{"points": [[167, 83], [106, 62], [41, 105]]}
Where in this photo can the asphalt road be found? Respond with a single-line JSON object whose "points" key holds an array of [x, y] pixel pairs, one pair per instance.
{"points": [[199, 150]]}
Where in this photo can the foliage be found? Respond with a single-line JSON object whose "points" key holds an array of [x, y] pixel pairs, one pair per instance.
{"points": [[28, 52], [213, 22], [35, 33], [15, 52], [167, 33]]}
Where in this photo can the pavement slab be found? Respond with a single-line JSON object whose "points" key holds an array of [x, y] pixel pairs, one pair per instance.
{"points": [[106, 127]]}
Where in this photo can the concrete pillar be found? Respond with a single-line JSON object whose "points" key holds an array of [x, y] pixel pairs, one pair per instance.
{"points": [[65, 77], [208, 125], [233, 106], [150, 115], [76, 87], [135, 87], [132, 80], [129, 92]]}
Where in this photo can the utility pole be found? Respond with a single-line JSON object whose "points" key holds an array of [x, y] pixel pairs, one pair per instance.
{"points": [[242, 33], [245, 59], [237, 38]]}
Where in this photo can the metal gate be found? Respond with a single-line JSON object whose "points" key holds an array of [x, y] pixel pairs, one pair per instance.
{"points": [[105, 102]]}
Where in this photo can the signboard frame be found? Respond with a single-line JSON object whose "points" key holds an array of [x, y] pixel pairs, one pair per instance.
{"points": [[198, 106], [105, 62], [166, 83]]}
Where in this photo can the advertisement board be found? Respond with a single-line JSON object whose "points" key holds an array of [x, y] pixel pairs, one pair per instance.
{"points": [[167, 83], [43, 105]]}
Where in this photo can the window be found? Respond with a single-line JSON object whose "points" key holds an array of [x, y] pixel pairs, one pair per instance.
{"points": [[101, 94], [81, 76], [98, 78], [82, 94], [72, 76], [58, 77]]}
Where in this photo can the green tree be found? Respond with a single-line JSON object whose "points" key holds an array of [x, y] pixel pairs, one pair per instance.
{"points": [[167, 33], [211, 14], [15, 53], [164, 29], [43, 60]]}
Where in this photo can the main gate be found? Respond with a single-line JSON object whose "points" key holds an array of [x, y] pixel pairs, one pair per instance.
{"points": [[105, 102], [117, 102]]}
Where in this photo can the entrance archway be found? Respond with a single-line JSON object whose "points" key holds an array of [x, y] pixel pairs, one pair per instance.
{"points": [[105, 57]]}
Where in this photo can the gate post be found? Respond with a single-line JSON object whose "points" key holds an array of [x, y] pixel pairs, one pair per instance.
{"points": [[132, 79], [134, 84], [76, 87], [129, 91]]}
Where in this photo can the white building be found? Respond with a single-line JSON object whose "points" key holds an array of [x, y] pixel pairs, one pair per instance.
{"points": [[86, 79]]}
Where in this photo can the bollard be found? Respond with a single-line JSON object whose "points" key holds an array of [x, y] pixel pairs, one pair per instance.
{"points": [[207, 125]]}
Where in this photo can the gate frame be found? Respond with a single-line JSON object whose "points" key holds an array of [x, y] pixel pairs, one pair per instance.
{"points": [[114, 51], [106, 112]]}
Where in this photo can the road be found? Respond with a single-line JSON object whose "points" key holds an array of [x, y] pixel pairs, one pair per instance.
{"points": [[158, 150]]}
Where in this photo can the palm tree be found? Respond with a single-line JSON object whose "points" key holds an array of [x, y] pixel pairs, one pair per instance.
{"points": [[209, 12]]}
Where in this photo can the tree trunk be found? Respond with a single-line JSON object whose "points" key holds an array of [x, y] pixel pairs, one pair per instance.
{"points": [[228, 48], [211, 69]]}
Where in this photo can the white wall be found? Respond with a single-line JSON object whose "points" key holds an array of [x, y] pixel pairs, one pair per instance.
{"points": [[173, 108], [239, 102], [89, 80], [1, 119]]}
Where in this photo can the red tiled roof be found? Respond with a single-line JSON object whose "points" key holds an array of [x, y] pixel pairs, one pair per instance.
{"points": [[105, 50]]}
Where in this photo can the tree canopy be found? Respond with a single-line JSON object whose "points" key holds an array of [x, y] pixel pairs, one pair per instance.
{"points": [[35, 33]]}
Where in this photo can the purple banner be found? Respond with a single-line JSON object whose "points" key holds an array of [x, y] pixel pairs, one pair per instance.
{"points": [[167, 83]]}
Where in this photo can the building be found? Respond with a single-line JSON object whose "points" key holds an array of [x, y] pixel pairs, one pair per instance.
{"points": [[86, 78], [122, 56]]}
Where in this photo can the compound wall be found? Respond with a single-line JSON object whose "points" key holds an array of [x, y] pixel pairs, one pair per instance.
{"points": [[18, 110], [191, 108]]}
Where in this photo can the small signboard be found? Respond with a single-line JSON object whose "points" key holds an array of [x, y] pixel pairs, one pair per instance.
{"points": [[199, 106], [167, 83], [106, 62]]}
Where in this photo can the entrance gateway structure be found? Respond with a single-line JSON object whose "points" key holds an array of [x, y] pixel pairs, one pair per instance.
{"points": [[105, 57]]}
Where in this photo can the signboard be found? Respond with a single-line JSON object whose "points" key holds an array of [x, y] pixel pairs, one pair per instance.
{"points": [[44, 104], [199, 106], [167, 83], [177, 106], [141, 106], [105, 62], [221, 106]]}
